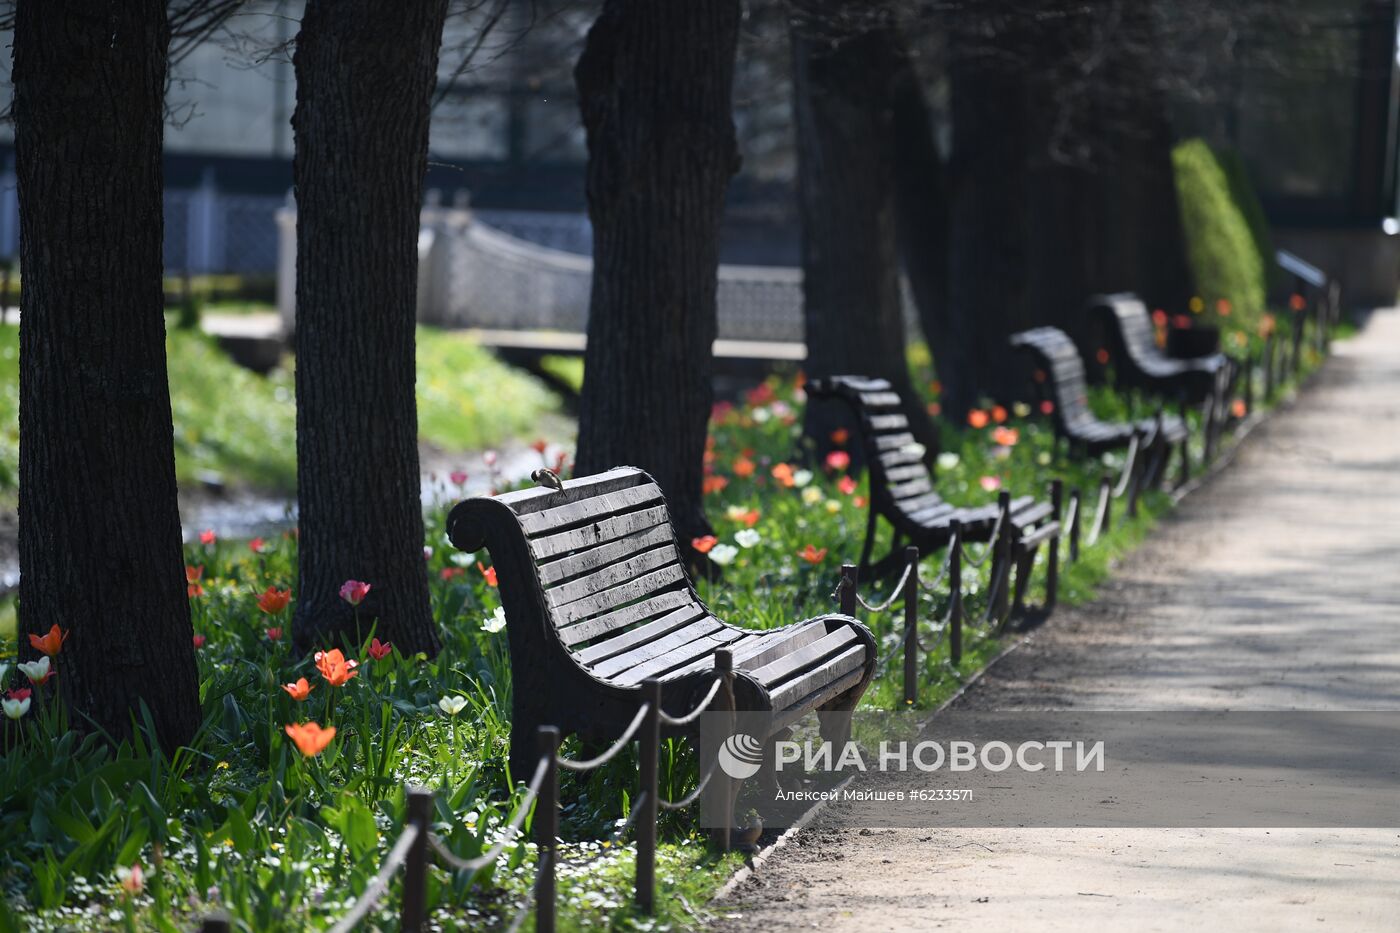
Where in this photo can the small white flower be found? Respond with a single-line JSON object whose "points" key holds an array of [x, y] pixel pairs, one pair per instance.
{"points": [[811, 495], [495, 622], [4, 669], [948, 460], [1043, 458], [462, 559], [15, 708], [833, 506], [781, 408], [761, 415], [452, 705], [801, 478], [427, 552], [723, 554], [747, 537], [36, 671]]}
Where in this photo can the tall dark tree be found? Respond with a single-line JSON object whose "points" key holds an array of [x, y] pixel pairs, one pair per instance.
{"points": [[99, 527], [843, 76], [365, 78], [655, 85]]}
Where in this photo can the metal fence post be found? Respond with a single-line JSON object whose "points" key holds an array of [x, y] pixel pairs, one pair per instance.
{"points": [[1106, 497], [721, 803], [955, 611], [850, 579], [1268, 354], [546, 827], [911, 627], [1076, 501], [1052, 569], [413, 912], [649, 754], [1003, 558]]}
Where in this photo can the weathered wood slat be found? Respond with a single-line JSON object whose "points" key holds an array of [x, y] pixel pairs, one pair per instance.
{"points": [[1024, 517], [525, 501], [591, 509], [636, 588], [602, 555], [823, 694], [777, 643], [589, 629], [795, 662], [893, 422], [909, 471], [797, 688], [702, 648], [918, 486], [667, 645], [615, 644], [587, 536], [903, 441], [874, 400], [609, 576]]}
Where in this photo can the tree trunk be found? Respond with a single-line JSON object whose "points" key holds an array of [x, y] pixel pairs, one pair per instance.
{"points": [[988, 169], [921, 205], [842, 82], [365, 76], [99, 525], [655, 84]]}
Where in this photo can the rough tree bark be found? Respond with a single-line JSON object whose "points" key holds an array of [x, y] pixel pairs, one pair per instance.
{"points": [[655, 84], [364, 82], [99, 526], [988, 176], [921, 205], [843, 75]]}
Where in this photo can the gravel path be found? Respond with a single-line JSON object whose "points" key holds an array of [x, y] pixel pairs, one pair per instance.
{"points": [[1277, 586]]}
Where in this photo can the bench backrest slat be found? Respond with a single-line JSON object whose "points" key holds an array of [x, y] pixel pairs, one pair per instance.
{"points": [[1062, 372]]}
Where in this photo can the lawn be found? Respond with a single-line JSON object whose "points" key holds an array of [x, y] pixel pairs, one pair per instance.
{"points": [[285, 842], [241, 427]]}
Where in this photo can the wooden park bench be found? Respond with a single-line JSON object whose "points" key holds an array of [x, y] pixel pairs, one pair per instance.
{"points": [[1140, 364], [1059, 380], [597, 601], [902, 491]]}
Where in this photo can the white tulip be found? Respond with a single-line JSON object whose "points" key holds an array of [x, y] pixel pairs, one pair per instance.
{"points": [[723, 554], [36, 671], [494, 623], [452, 705], [747, 537], [15, 708]]}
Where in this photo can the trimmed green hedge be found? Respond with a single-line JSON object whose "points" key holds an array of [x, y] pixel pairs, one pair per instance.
{"points": [[1224, 249]]}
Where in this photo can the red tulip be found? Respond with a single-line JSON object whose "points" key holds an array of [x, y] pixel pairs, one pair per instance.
{"points": [[704, 543], [458, 477], [488, 572], [840, 436], [379, 650], [198, 642], [207, 536], [847, 485], [812, 554], [274, 634], [273, 600], [257, 545], [838, 460]]}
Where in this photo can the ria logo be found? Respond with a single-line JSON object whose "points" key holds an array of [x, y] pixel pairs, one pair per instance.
{"points": [[741, 756]]}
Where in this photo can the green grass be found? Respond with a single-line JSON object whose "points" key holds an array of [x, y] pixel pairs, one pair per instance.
{"points": [[242, 427]]}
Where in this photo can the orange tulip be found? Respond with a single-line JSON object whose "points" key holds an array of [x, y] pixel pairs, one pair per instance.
{"points": [[743, 467], [998, 414], [273, 600], [488, 572], [784, 475], [934, 409], [1238, 409], [335, 668], [840, 436], [1006, 437], [704, 543], [299, 690], [812, 554], [50, 644], [977, 418], [311, 740], [713, 484]]}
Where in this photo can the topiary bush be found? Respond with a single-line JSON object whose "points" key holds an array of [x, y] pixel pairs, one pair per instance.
{"points": [[1225, 256]]}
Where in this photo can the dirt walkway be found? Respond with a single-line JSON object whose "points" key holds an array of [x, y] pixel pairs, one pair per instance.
{"points": [[1275, 587]]}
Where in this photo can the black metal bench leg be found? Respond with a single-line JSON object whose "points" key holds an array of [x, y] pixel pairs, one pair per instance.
{"points": [[1024, 564]]}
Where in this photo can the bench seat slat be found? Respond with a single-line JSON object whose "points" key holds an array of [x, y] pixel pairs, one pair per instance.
{"points": [[661, 647], [816, 698], [797, 688], [700, 650], [795, 662], [615, 644], [776, 643]]}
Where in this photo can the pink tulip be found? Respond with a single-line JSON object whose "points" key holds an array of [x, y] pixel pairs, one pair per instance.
{"points": [[354, 592]]}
